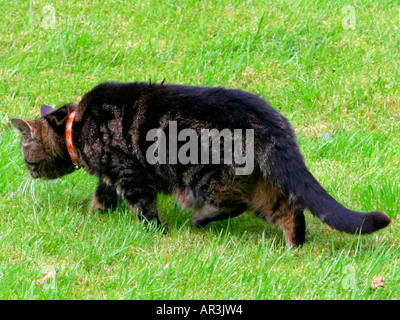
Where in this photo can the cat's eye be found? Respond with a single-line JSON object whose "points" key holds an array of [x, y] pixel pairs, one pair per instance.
{"points": [[32, 163]]}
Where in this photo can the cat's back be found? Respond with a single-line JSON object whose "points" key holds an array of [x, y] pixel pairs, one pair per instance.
{"points": [[217, 106], [117, 93]]}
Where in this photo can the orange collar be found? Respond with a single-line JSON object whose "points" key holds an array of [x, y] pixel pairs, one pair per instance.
{"points": [[68, 139]]}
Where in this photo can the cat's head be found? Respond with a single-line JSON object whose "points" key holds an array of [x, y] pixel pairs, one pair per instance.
{"points": [[43, 144]]}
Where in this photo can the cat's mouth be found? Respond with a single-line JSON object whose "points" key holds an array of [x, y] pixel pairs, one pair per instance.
{"points": [[34, 175], [50, 175]]}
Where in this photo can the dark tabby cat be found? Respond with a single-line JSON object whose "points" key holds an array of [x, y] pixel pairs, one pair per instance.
{"points": [[107, 135]]}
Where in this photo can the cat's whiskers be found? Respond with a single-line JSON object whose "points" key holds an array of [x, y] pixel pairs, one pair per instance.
{"points": [[28, 189]]}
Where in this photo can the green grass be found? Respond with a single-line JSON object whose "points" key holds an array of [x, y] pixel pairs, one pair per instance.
{"points": [[338, 87]]}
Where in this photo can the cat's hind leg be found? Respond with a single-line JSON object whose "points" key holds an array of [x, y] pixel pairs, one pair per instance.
{"points": [[209, 213], [291, 222], [222, 203], [218, 200], [105, 197], [269, 204]]}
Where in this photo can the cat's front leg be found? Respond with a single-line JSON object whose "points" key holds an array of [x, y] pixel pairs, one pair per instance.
{"points": [[141, 197], [146, 209], [105, 197]]}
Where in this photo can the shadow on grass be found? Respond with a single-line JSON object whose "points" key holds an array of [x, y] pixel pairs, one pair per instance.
{"points": [[175, 219]]}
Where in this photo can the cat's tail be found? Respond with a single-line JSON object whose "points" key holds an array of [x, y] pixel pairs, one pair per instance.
{"points": [[301, 188]]}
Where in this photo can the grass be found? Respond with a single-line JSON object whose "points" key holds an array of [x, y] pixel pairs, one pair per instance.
{"points": [[338, 86]]}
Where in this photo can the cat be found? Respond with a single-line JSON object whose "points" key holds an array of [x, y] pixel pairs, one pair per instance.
{"points": [[107, 134]]}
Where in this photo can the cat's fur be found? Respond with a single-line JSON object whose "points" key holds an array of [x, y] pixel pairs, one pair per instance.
{"points": [[109, 135]]}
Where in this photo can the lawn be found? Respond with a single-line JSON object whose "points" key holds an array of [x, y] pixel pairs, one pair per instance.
{"points": [[330, 67]]}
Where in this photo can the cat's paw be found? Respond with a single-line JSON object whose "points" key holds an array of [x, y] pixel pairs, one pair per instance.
{"points": [[97, 205]]}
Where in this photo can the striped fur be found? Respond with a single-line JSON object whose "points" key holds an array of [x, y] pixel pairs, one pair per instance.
{"points": [[109, 136]]}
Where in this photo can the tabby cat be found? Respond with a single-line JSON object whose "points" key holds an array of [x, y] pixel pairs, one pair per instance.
{"points": [[107, 134]]}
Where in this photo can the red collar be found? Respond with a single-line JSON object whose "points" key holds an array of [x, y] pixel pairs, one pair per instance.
{"points": [[68, 139]]}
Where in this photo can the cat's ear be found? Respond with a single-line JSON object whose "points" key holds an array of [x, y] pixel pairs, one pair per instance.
{"points": [[27, 127], [45, 110]]}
